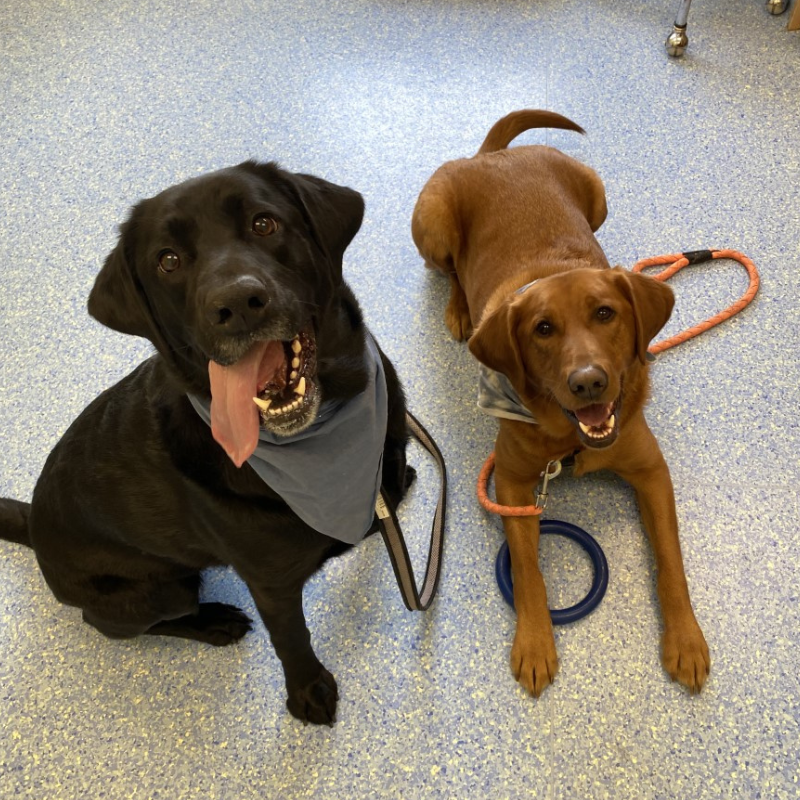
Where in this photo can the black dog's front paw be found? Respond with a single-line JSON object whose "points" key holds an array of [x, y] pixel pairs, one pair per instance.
{"points": [[315, 702]]}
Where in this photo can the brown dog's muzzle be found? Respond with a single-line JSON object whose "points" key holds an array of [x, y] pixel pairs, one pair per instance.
{"points": [[597, 422]]}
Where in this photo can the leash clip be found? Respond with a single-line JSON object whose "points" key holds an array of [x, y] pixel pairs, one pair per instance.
{"points": [[552, 470]]}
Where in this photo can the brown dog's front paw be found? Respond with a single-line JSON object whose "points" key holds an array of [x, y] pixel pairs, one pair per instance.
{"points": [[685, 656], [315, 702], [534, 661]]}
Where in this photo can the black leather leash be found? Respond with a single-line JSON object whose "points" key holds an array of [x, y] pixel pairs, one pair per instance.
{"points": [[415, 599]]}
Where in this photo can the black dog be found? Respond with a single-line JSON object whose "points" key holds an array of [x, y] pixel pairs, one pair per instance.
{"points": [[236, 278]]}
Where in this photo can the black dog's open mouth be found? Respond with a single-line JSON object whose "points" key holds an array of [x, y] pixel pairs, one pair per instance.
{"points": [[597, 424], [273, 387], [287, 394]]}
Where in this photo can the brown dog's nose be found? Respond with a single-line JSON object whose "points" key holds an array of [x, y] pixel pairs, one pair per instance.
{"points": [[588, 383], [238, 306]]}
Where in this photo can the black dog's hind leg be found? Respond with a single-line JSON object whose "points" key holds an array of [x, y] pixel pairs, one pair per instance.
{"points": [[215, 623], [133, 608]]}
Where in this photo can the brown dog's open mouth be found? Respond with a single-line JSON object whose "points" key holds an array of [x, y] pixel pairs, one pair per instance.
{"points": [[272, 386], [597, 424]]}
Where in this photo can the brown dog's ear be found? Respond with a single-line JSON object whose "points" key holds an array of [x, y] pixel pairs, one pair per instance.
{"points": [[652, 303], [494, 343], [117, 300]]}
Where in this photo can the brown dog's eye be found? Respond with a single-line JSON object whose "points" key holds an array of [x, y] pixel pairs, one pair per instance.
{"points": [[168, 261], [604, 313], [544, 328], [264, 225]]}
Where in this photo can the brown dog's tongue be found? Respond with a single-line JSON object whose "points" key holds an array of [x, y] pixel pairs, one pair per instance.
{"points": [[595, 414], [234, 416]]}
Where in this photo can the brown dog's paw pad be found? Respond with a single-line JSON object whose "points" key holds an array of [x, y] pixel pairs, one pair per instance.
{"points": [[315, 702]]}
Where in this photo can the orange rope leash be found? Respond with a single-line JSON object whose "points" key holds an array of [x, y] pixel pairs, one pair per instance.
{"points": [[496, 508], [677, 262]]}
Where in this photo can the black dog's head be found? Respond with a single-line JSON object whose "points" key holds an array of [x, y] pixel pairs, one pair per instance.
{"points": [[232, 277]]}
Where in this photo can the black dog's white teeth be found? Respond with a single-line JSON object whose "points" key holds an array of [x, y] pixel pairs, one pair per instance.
{"points": [[276, 406], [285, 409], [269, 410]]}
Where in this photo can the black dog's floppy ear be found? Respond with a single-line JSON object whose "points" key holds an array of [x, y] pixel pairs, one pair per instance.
{"points": [[333, 212], [117, 299]]}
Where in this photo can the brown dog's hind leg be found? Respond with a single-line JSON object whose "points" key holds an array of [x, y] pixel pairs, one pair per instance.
{"points": [[456, 315], [435, 230]]}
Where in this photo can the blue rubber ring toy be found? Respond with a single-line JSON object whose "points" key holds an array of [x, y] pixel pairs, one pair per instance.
{"points": [[561, 616]]}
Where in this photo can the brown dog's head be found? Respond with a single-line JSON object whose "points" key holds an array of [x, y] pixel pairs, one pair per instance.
{"points": [[572, 343]]}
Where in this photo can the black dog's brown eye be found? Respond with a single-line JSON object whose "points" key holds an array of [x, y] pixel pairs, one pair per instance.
{"points": [[168, 261], [544, 328], [264, 225], [604, 313]]}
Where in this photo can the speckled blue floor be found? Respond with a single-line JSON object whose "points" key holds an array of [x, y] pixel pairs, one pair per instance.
{"points": [[105, 103]]}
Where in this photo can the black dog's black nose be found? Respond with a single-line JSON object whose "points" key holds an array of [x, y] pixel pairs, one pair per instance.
{"points": [[588, 383], [238, 306]]}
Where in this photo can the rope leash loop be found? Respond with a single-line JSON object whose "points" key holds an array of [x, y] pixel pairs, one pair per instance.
{"points": [[496, 508], [677, 261]]}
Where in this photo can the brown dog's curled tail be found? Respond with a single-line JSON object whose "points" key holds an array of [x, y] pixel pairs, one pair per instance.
{"points": [[14, 521], [504, 131]]}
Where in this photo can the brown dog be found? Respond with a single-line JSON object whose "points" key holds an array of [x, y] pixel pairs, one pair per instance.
{"points": [[570, 349]]}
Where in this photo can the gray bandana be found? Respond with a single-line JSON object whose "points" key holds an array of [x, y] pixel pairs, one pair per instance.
{"points": [[497, 397], [330, 473]]}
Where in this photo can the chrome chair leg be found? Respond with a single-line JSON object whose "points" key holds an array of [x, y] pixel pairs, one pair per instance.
{"points": [[677, 41], [776, 6]]}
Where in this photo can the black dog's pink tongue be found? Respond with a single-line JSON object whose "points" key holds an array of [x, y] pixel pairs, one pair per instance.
{"points": [[234, 416], [594, 415]]}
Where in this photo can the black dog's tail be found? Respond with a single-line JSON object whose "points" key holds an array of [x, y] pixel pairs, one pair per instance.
{"points": [[14, 521]]}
